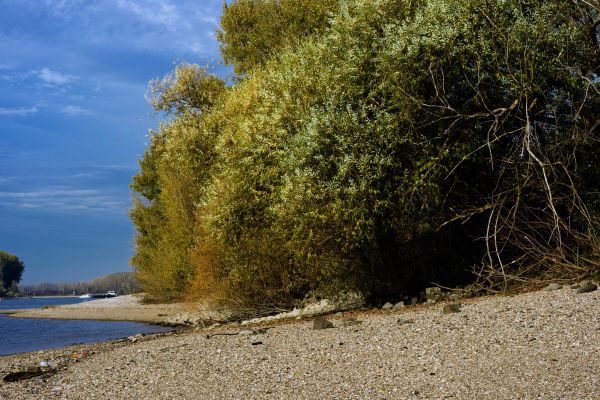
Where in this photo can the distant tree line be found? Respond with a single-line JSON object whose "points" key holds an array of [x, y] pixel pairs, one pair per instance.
{"points": [[376, 146], [120, 282], [11, 270]]}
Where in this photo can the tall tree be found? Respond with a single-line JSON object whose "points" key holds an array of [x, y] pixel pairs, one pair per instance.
{"points": [[11, 270]]}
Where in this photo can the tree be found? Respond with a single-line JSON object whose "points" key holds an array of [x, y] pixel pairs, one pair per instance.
{"points": [[171, 179], [11, 269], [253, 31]]}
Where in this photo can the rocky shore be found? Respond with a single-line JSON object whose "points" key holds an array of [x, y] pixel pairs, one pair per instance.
{"points": [[543, 344]]}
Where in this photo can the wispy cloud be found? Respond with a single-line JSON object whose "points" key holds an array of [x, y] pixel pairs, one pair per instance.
{"points": [[19, 111], [154, 12], [75, 111], [64, 199], [54, 78]]}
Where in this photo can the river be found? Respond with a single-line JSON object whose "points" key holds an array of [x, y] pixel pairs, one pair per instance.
{"points": [[19, 335]]}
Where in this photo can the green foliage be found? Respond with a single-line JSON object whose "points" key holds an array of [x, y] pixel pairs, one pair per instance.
{"points": [[11, 270], [171, 180], [188, 89], [253, 31], [397, 144]]}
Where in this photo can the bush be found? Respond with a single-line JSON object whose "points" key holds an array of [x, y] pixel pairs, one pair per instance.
{"points": [[407, 144]]}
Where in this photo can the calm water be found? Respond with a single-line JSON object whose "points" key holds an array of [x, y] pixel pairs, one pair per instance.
{"points": [[19, 335]]}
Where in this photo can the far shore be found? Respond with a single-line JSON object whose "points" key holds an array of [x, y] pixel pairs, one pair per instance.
{"points": [[121, 308]]}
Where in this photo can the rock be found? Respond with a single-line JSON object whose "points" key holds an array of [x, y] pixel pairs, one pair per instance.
{"points": [[553, 286], [135, 338], [451, 308], [321, 323], [339, 314], [454, 297], [43, 364], [350, 321], [433, 291], [23, 375], [399, 305], [387, 306], [587, 287], [413, 301]]}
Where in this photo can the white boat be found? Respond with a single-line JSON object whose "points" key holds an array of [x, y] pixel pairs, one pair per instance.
{"points": [[85, 296]]}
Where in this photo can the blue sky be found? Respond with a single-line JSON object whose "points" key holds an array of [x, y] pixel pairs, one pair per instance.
{"points": [[74, 120]]}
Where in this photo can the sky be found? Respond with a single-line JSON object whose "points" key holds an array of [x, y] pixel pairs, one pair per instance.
{"points": [[74, 122]]}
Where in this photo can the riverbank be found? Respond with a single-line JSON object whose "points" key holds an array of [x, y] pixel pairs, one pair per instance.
{"points": [[122, 308], [535, 345]]}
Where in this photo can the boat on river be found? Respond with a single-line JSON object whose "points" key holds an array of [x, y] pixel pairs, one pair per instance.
{"points": [[109, 294]]}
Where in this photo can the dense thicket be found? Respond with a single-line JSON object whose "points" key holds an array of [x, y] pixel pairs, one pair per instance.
{"points": [[11, 270], [406, 142]]}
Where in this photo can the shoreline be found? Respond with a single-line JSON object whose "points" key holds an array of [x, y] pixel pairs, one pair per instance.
{"points": [[541, 344], [120, 308]]}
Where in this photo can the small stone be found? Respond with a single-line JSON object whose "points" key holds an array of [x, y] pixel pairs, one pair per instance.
{"points": [[553, 286], [588, 287], [387, 306], [414, 300], [321, 323], [350, 321], [399, 305], [451, 308], [256, 342], [339, 314], [433, 291], [135, 338]]}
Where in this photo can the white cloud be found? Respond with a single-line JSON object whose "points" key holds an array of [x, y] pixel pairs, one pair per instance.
{"points": [[19, 112], [154, 12], [64, 199], [74, 111], [53, 78]]}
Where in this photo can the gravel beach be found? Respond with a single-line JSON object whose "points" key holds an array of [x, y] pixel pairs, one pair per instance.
{"points": [[537, 345]]}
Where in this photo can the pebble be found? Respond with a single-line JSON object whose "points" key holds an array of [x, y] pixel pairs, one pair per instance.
{"points": [[587, 287], [350, 321], [553, 286], [451, 308], [387, 306], [321, 323]]}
